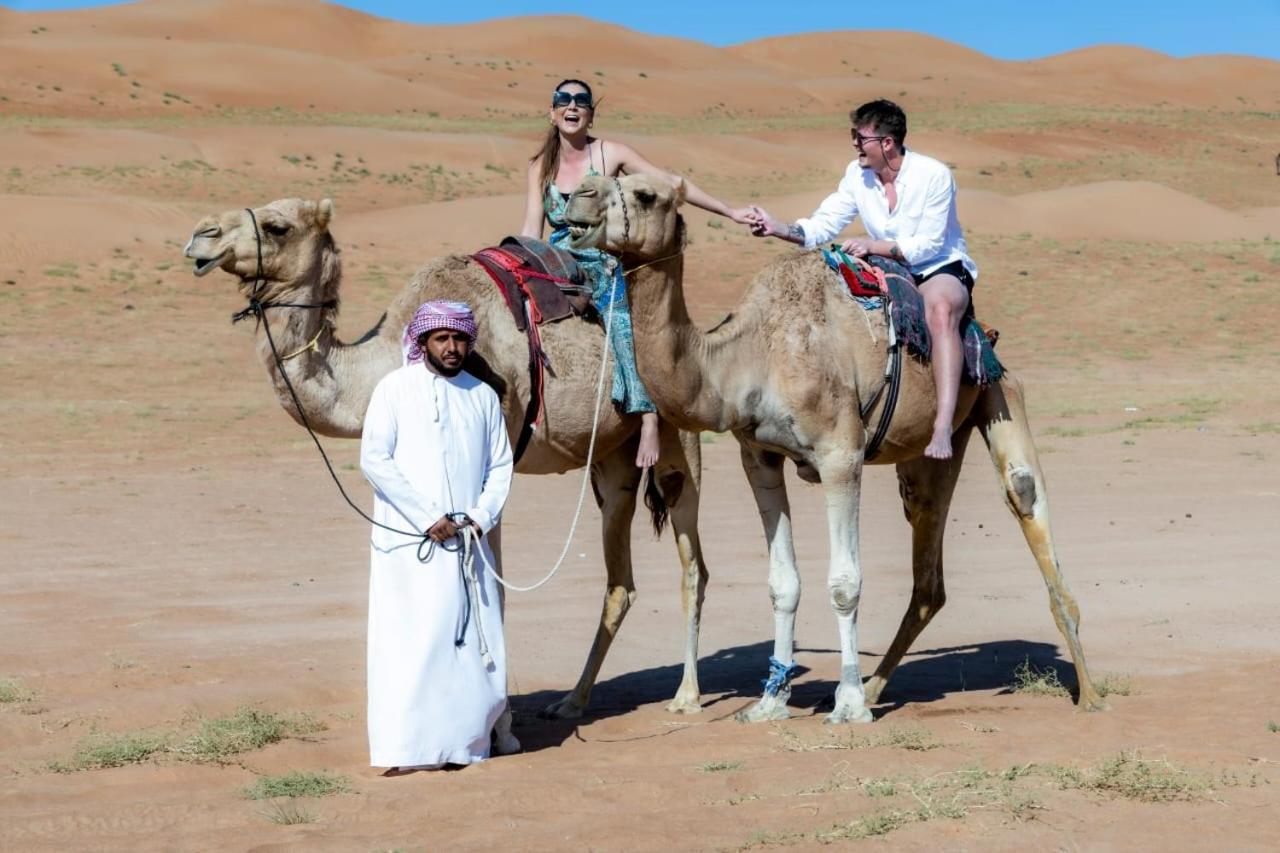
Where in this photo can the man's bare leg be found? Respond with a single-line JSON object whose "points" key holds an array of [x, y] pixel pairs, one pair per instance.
{"points": [[647, 454], [945, 299]]}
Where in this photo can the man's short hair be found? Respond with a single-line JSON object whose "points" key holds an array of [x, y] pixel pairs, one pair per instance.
{"points": [[885, 116]]}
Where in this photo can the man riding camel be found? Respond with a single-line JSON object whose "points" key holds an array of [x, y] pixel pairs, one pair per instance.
{"points": [[908, 206]]}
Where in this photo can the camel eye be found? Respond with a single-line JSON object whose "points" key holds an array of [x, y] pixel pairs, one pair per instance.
{"points": [[646, 197], [276, 229]]}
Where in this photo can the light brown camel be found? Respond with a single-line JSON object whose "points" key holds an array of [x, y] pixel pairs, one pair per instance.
{"points": [[786, 373], [334, 380]]}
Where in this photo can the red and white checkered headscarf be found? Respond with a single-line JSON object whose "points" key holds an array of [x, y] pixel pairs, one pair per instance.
{"points": [[437, 315]]}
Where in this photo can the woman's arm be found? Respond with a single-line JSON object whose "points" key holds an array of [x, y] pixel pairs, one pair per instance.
{"points": [[630, 161], [533, 215]]}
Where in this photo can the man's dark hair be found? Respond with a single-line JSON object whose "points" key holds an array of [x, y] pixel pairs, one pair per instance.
{"points": [[885, 116]]}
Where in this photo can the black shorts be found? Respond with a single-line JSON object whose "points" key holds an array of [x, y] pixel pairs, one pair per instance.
{"points": [[955, 268]]}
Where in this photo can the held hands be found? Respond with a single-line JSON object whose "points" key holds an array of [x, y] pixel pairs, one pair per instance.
{"points": [[762, 224], [742, 215]]}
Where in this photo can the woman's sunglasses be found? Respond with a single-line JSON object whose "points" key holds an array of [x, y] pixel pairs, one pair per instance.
{"points": [[560, 100]]}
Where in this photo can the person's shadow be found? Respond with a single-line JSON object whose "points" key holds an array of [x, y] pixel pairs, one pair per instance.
{"points": [[732, 678]]}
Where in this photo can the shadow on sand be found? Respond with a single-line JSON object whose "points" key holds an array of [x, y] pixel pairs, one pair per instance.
{"points": [[731, 679]]}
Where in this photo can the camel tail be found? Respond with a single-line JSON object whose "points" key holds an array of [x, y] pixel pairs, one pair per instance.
{"points": [[659, 512]]}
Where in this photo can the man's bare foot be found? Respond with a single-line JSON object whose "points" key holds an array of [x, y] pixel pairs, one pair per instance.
{"points": [[940, 445], [647, 455]]}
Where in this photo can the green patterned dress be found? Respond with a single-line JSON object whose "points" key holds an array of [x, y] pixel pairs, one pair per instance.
{"points": [[607, 283]]}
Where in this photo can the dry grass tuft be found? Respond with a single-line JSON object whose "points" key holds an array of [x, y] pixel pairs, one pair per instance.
{"points": [[1029, 680], [13, 692], [99, 751], [244, 730], [298, 783]]}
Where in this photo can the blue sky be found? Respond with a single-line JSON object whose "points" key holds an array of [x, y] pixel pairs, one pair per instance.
{"points": [[1002, 28]]}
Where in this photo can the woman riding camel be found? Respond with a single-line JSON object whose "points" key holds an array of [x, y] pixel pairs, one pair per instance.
{"points": [[568, 154]]}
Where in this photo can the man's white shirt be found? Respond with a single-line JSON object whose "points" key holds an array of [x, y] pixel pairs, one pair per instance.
{"points": [[924, 224]]}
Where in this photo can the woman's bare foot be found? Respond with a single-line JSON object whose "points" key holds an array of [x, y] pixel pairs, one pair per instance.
{"points": [[940, 445], [647, 455]]}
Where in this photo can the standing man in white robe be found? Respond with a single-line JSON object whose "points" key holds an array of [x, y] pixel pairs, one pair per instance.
{"points": [[434, 445]]}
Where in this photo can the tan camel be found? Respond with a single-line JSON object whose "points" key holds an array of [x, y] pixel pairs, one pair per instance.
{"points": [[334, 380], [786, 373]]}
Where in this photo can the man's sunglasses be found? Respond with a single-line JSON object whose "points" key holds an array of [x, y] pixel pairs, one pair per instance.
{"points": [[860, 140], [560, 100]]}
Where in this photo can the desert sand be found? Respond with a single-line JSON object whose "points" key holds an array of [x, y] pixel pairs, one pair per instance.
{"points": [[173, 550]]}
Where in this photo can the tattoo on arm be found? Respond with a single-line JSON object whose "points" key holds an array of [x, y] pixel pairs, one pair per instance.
{"points": [[896, 253], [795, 232]]}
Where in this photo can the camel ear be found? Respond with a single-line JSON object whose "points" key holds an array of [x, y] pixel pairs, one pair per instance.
{"points": [[681, 191], [324, 212]]}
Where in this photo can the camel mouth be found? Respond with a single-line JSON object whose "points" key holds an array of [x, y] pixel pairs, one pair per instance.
{"points": [[584, 236], [204, 266]]}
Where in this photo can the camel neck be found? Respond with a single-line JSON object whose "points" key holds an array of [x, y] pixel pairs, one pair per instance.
{"points": [[325, 373], [677, 362]]}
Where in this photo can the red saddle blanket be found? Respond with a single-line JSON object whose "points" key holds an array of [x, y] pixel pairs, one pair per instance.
{"points": [[538, 281]]}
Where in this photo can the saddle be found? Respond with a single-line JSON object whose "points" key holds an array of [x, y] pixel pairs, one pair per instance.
{"points": [[540, 284], [880, 284]]}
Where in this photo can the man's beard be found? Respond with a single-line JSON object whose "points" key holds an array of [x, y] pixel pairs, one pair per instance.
{"points": [[443, 369]]}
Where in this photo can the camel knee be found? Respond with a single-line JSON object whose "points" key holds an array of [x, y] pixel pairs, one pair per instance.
{"points": [[784, 592], [845, 594], [617, 601], [1020, 492]]}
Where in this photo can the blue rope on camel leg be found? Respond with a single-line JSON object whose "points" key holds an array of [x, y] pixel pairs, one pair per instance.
{"points": [[780, 675]]}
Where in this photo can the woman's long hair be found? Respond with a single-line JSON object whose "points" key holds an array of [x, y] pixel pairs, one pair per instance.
{"points": [[549, 153]]}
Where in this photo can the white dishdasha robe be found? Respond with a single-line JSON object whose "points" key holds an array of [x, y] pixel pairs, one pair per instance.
{"points": [[432, 445]]}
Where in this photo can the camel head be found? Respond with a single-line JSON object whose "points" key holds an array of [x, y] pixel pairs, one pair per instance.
{"points": [[633, 215], [295, 242]]}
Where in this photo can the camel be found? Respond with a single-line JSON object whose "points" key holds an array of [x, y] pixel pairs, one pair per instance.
{"points": [[300, 265], [786, 373]]}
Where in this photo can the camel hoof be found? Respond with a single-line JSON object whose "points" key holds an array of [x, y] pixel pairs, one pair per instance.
{"points": [[565, 709], [848, 714], [684, 706], [767, 709], [1091, 706]]}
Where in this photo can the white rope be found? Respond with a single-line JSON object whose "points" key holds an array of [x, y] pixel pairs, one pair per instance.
{"points": [[586, 471]]}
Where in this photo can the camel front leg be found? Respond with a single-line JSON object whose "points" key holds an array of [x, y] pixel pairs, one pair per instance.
{"points": [[926, 486], [1000, 414], [679, 478], [615, 480], [764, 472], [842, 485]]}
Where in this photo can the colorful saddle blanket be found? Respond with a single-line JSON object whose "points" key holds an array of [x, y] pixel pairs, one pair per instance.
{"points": [[537, 280], [906, 307]]}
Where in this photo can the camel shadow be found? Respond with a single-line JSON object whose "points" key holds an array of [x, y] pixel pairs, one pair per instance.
{"points": [[731, 678]]}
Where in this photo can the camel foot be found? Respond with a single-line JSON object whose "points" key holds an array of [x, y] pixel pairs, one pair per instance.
{"points": [[684, 705], [768, 708], [1093, 704], [565, 709], [848, 714], [873, 688]]}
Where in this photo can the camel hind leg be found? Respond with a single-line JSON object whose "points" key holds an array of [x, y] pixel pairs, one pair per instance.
{"points": [[615, 479], [926, 486], [1000, 414], [678, 476]]}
